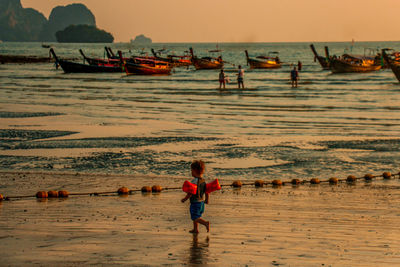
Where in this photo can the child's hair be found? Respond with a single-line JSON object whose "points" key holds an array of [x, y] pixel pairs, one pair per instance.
{"points": [[198, 166]]}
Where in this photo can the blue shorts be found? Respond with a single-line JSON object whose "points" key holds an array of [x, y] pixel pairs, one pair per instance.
{"points": [[196, 210], [240, 80]]}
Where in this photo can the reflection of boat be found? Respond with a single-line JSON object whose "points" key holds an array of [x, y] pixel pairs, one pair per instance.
{"points": [[354, 63], [264, 62], [174, 60], [145, 66], [393, 60], [323, 61], [206, 62], [74, 67]]}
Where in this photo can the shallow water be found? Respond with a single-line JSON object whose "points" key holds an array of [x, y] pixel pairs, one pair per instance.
{"points": [[332, 125]]}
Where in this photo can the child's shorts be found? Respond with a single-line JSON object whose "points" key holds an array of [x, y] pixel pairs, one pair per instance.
{"points": [[196, 210]]}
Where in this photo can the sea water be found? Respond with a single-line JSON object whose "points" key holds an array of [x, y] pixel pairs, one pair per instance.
{"points": [[331, 125]]}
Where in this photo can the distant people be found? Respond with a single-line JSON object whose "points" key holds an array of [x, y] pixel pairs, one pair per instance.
{"points": [[197, 201], [299, 65], [294, 77], [240, 77], [222, 79]]}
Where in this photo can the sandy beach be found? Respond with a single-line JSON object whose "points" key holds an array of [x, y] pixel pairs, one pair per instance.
{"points": [[306, 225]]}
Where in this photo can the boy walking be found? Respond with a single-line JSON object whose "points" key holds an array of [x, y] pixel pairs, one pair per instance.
{"points": [[197, 200]]}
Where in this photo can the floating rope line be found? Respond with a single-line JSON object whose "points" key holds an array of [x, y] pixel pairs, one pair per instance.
{"points": [[351, 179]]}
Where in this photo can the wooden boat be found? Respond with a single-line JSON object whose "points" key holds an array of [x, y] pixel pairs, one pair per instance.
{"points": [[264, 62], [354, 63], [206, 62], [74, 67], [144, 66], [174, 60], [323, 61], [99, 61], [393, 61]]}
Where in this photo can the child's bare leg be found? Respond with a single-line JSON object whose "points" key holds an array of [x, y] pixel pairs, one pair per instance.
{"points": [[203, 222], [195, 227]]}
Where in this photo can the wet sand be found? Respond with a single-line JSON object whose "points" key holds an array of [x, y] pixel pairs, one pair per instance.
{"points": [[320, 225]]}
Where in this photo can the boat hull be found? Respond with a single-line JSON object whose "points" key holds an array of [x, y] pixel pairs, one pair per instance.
{"points": [[201, 64], [139, 69], [339, 66], [73, 67], [393, 66], [258, 64]]}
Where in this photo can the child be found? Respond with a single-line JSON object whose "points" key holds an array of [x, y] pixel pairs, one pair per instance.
{"points": [[222, 79], [197, 201]]}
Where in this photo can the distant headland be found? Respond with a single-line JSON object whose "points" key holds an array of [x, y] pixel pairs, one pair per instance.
{"points": [[20, 24], [141, 39]]}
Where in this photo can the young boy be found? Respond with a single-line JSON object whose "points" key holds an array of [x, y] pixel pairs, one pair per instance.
{"points": [[197, 201]]}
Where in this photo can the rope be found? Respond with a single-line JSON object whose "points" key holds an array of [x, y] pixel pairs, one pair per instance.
{"points": [[237, 184]]}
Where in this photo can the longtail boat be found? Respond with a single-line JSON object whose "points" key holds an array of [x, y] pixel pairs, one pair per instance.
{"points": [[323, 61], [173, 60], [206, 62], [74, 67], [393, 60], [144, 66], [264, 62], [354, 63], [99, 61]]}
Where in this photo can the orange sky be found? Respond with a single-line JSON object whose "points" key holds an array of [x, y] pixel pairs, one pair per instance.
{"points": [[241, 20]]}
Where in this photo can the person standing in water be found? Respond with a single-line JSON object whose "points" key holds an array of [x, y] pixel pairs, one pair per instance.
{"points": [[197, 200], [240, 77], [294, 76], [222, 79]]}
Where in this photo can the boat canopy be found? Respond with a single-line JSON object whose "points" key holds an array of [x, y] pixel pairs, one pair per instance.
{"points": [[359, 57]]}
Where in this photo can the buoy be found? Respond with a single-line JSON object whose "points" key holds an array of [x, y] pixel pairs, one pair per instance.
{"points": [[42, 194], [296, 181], [237, 183], [368, 177], [315, 181], [213, 186], [123, 191], [351, 179], [1, 197], [259, 183], [63, 193], [52, 194], [387, 175], [146, 189], [276, 182], [333, 180], [156, 188]]}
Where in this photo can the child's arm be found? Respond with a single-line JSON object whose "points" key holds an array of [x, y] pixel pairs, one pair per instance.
{"points": [[188, 195], [207, 198]]}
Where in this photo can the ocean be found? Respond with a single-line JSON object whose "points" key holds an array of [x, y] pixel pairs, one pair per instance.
{"points": [[331, 125]]}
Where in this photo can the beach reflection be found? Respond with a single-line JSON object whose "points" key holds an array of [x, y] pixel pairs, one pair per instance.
{"points": [[199, 250]]}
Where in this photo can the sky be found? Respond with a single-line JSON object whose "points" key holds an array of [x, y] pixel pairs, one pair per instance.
{"points": [[241, 20]]}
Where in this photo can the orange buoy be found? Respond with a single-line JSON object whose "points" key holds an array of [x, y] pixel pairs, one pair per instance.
{"points": [[351, 179], [1, 197], [52, 194], [42, 194], [333, 180], [237, 183], [259, 183], [315, 181], [276, 182], [63, 193], [295, 181], [368, 177], [156, 188], [123, 191], [146, 189], [387, 175]]}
